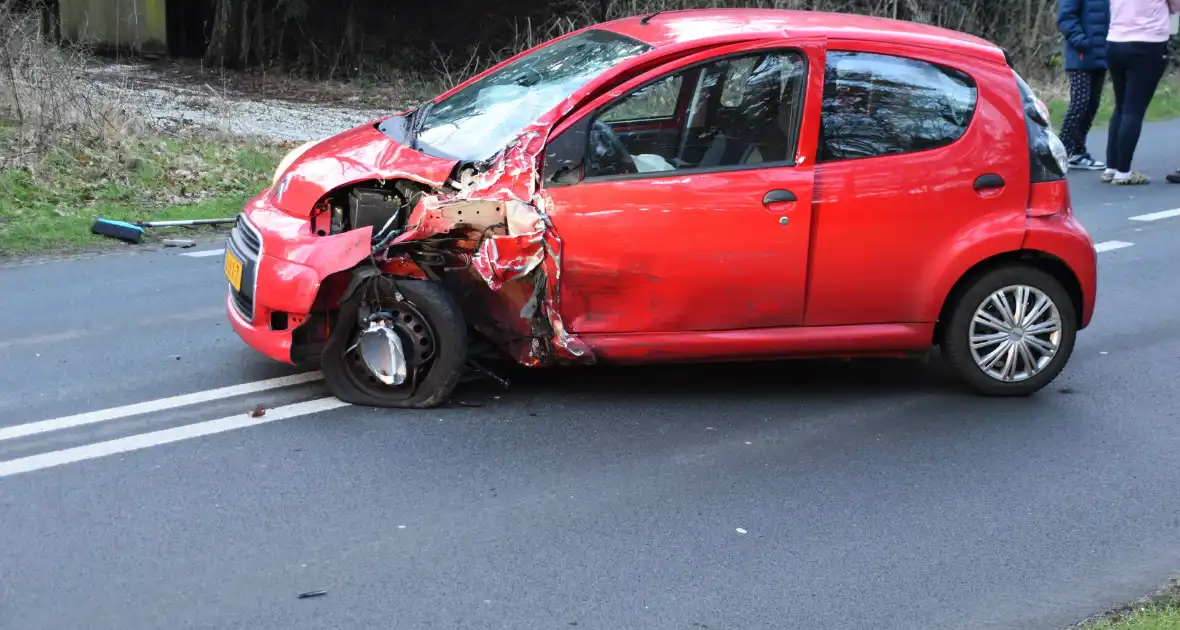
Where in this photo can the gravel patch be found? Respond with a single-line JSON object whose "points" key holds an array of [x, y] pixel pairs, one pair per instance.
{"points": [[172, 105]]}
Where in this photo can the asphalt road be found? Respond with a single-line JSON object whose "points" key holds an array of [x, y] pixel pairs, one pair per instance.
{"points": [[787, 495]]}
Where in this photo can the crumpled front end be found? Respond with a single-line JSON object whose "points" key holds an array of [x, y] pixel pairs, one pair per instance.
{"points": [[506, 256], [482, 233], [276, 269]]}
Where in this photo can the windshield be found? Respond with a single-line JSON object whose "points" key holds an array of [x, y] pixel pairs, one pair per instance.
{"points": [[476, 122]]}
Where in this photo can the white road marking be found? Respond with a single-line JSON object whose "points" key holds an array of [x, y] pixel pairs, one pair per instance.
{"points": [[206, 253], [166, 436], [115, 413], [1107, 246], [1156, 216]]}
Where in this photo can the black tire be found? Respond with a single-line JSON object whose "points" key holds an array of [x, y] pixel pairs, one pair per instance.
{"points": [[956, 346], [435, 381]]}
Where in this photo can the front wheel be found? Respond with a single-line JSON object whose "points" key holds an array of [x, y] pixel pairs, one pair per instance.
{"points": [[433, 345], [1011, 333]]}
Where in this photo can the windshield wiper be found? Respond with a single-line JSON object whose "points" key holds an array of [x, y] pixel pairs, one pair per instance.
{"points": [[416, 122]]}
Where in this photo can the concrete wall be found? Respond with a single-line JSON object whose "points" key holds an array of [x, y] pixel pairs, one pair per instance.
{"points": [[134, 25]]}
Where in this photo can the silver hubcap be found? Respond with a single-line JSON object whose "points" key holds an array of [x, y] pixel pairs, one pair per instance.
{"points": [[1015, 333]]}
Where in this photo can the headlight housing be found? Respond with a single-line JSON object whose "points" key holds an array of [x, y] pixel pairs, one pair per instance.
{"points": [[1060, 154], [289, 159]]}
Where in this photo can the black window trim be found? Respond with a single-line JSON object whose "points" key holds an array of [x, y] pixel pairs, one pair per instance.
{"points": [[590, 116], [937, 64]]}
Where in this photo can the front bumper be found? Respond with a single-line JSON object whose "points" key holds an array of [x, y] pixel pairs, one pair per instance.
{"points": [[283, 267]]}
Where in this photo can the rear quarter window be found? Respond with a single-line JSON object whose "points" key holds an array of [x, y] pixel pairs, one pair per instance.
{"points": [[876, 105]]}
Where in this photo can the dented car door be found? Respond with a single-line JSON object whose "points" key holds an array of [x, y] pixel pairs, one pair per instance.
{"points": [[704, 225]]}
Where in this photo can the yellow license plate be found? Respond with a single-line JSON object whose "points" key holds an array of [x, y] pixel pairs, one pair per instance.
{"points": [[233, 270]]}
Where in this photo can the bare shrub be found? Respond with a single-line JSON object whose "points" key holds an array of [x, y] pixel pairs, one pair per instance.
{"points": [[1025, 28], [47, 99]]}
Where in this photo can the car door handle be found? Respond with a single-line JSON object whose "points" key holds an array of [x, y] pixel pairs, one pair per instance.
{"points": [[989, 180], [778, 196]]}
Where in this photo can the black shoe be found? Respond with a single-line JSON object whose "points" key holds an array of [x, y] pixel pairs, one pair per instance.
{"points": [[1173, 177]]}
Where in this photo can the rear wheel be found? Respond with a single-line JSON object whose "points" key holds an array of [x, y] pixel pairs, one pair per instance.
{"points": [[433, 341], [1011, 332]]}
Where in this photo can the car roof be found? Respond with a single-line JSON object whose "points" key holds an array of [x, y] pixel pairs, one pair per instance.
{"points": [[672, 27]]}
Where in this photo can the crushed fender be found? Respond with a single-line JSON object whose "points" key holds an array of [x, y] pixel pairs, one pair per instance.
{"points": [[501, 204]]}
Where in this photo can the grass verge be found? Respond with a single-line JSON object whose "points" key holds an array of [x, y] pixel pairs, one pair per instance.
{"points": [[1164, 105], [70, 153], [51, 203], [1159, 612]]}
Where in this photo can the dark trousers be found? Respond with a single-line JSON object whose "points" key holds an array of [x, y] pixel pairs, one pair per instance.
{"points": [[1135, 71], [1085, 94]]}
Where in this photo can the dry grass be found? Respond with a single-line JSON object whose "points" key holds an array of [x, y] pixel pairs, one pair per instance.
{"points": [[46, 100]]}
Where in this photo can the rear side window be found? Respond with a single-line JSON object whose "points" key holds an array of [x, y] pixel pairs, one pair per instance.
{"points": [[877, 105]]}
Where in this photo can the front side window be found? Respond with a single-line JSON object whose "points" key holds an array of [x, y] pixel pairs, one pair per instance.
{"points": [[877, 105], [478, 121], [736, 111]]}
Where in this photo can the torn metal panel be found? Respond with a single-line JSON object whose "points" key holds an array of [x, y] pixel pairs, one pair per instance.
{"points": [[516, 241], [439, 214], [403, 266]]}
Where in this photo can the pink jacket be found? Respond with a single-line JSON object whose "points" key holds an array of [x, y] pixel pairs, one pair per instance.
{"points": [[1141, 20]]}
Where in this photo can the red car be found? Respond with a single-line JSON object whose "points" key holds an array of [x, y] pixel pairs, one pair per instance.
{"points": [[706, 185]]}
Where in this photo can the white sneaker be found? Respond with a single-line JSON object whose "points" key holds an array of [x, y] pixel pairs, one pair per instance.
{"points": [[1085, 163]]}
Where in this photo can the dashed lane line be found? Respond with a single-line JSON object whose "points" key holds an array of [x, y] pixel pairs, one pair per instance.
{"points": [[205, 254], [1156, 216], [166, 436], [173, 402], [1107, 246]]}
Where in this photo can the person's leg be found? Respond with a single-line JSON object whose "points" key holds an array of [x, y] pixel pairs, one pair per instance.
{"points": [[1080, 116], [1118, 80], [1079, 86], [1145, 66], [1097, 78]]}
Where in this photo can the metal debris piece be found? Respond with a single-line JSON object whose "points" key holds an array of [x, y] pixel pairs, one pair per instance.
{"points": [[179, 242], [381, 350], [311, 594], [478, 367]]}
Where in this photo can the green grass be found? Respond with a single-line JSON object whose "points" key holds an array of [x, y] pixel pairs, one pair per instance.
{"points": [[49, 204], [1159, 617], [1159, 612], [1164, 105]]}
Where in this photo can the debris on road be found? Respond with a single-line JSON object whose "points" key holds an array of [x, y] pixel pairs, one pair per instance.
{"points": [[117, 229], [741, 531], [258, 412], [481, 369], [183, 222], [133, 232], [311, 594]]}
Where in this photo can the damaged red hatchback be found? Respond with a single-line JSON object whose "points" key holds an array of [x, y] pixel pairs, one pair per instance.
{"points": [[708, 185]]}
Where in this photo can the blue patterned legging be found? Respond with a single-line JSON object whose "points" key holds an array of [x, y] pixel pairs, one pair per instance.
{"points": [[1085, 94]]}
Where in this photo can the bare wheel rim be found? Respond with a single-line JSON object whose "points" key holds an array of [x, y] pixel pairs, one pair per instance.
{"points": [[418, 340], [1015, 333]]}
